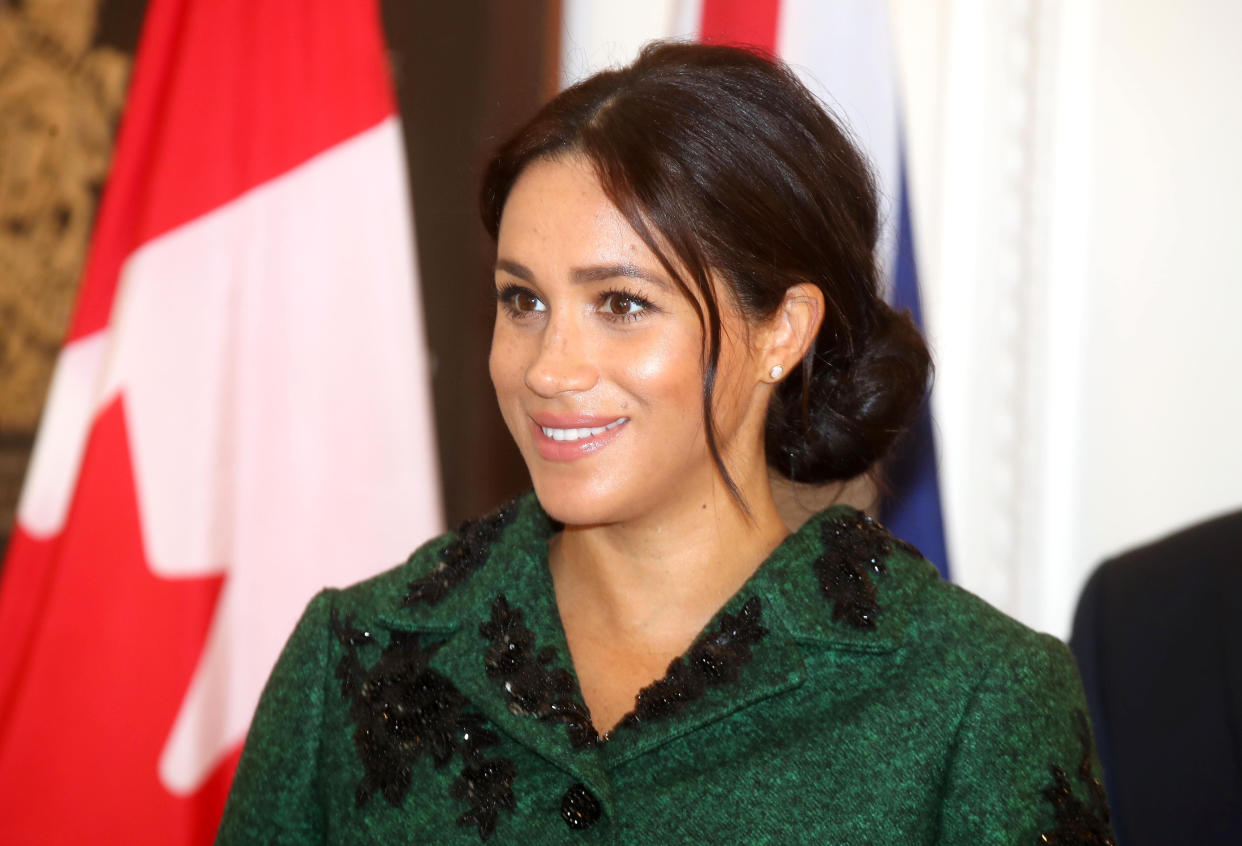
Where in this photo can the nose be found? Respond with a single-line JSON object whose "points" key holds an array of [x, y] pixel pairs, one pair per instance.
{"points": [[563, 363]]}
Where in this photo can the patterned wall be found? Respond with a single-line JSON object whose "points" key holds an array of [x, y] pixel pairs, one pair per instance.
{"points": [[61, 93], [466, 74]]}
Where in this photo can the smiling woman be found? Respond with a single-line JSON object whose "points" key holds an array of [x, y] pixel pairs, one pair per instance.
{"points": [[640, 651], [589, 335]]}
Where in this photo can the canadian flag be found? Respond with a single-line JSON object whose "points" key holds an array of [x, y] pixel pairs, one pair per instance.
{"points": [[239, 416]]}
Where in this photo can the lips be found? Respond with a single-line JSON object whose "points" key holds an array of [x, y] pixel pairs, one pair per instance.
{"points": [[560, 437]]}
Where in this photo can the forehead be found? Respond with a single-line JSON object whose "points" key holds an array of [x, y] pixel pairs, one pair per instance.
{"points": [[557, 213]]}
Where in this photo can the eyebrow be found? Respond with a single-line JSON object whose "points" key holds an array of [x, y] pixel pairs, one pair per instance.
{"points": [[594, 273]]}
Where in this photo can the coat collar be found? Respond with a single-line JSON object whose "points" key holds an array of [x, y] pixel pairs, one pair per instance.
{"points": [[795, 612], [516, 566]]}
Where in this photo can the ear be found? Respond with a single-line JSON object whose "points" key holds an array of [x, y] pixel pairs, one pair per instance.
{"points": [[791, 331]]}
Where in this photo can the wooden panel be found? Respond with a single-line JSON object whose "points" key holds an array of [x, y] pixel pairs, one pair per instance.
{"points": [[468, 73]]}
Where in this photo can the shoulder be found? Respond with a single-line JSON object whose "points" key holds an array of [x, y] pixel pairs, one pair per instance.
{"points": [[894, 598], [985, 715], [872, 595], [1005, 678], [1008, 704], [1189, 584], [954, 621], [1195, 564], [844, 581], [440, 578], [850, 593], [976, 652]]}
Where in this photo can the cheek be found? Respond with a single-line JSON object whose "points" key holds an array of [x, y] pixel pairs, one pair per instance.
{"points": [[505, 366], [665, 374]]}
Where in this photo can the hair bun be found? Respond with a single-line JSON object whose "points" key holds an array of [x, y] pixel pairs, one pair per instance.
{"points": [[861, 397]]}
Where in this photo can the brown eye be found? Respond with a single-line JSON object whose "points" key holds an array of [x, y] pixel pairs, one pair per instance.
{"points": [[623, 305], [520, 303], [620, 305]]}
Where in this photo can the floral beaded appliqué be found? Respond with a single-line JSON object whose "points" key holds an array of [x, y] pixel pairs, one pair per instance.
{"points": [[535, 688], [1078, 823], [531, 685], [716, 658], [404, 710], [467, 553], [855, 547]]}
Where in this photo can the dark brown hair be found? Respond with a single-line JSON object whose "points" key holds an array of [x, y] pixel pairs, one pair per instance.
{"points": [[722, 157]]}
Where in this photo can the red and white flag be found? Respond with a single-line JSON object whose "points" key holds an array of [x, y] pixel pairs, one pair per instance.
{"points": [[239, 416]]}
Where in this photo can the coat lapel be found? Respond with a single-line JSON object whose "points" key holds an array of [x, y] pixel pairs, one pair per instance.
{"points": [[515, 573], [774, 665], [794, 611], [463, 658], [797, 614]]}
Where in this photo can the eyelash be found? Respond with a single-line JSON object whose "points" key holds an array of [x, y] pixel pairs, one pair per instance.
{"points": [[507, 296], [645, 305]]}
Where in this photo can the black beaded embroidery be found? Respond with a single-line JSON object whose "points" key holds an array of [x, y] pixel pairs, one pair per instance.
{"points": [[715, 658], [855, 547], [1079, 823], [531, 686], [462, 557], [579, 807], [485, 784], [403, 710]]}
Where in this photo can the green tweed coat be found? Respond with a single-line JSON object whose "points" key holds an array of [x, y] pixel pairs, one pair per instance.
{"points": [[844, 695]]}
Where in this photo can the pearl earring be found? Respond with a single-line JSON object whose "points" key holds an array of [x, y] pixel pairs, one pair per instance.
{"points": [[776, 372]]}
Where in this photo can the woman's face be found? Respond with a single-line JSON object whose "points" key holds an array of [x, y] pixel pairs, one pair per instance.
{"points": [[597, 359]]}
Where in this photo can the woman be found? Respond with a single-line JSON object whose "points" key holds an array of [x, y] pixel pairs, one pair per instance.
{"points": [[640, 651]]}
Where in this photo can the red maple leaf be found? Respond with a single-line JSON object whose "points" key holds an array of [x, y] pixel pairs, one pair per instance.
{"points": [[103, 668]]}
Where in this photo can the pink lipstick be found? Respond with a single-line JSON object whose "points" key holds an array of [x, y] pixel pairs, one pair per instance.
{"points": [[568, 437]]}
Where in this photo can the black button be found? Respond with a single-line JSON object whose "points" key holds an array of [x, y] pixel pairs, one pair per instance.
{"points": [[580, 808]]}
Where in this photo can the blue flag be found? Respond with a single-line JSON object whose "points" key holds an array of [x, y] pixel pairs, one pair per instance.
{"points": [[912, 511]]}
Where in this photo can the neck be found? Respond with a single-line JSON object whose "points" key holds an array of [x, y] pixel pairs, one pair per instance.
{"points": [[659, 579]]}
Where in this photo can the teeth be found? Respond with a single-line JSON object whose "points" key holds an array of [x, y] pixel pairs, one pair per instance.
{"points": [[579, 434]]}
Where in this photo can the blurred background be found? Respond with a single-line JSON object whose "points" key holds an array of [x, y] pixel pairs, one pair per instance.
{"points": [[1071, 176], [1073, 181]]}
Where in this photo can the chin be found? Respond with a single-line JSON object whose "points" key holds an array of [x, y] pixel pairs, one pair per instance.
{"points": [[584, 504]]}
